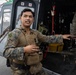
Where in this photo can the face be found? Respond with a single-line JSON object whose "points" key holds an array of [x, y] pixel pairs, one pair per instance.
{"points": [[27, 19]]}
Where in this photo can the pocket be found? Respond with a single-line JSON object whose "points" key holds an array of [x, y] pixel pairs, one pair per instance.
{"points": [[34, 69], [32, 59]]}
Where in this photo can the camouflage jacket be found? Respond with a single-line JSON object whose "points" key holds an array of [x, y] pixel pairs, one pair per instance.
{"points": [[18, 38]]}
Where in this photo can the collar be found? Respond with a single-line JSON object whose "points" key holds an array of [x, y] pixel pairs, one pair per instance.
{"points": [[22, 28]]}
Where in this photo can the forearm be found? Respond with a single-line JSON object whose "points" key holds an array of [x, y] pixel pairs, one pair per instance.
{"points": [[14, 53], [55, 39]]}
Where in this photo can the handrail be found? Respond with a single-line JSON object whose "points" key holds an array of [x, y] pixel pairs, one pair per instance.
{"points": [[4, 33], [7, 29]]}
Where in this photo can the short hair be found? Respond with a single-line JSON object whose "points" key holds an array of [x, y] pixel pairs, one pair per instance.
{"points": [[27, 10]]}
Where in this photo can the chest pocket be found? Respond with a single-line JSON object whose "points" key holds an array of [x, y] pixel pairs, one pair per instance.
{"points": [[30, 39], [27, 39]]}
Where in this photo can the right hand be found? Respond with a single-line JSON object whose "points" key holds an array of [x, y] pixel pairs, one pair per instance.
{"points": [[31, 48]]}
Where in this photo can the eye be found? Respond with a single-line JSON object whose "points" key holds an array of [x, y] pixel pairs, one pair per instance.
{"points": [[30, 16], [25, 15]]}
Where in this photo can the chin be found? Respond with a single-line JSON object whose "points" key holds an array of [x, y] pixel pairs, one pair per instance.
{"points": [[27, 25]]}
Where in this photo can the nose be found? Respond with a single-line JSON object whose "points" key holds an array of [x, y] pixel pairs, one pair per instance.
{"points": [[28, 17]]}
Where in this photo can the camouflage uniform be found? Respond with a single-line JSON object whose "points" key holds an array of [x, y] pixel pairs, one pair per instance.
{"points": [[17, 39]]}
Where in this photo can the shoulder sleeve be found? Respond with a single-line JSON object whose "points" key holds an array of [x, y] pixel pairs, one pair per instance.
{"points": [[11, 49], [12, 39]]}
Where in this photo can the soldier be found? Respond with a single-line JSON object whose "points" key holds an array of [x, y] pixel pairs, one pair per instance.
{"points": [[21, 48]]}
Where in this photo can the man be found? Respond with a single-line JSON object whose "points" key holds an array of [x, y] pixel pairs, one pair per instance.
{"points": [[22, 43]]}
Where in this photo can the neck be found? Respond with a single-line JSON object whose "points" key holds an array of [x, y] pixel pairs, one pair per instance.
{"points": [[26, 28]]}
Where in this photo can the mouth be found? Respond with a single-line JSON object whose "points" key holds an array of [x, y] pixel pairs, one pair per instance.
{"points": [[27, 22]]}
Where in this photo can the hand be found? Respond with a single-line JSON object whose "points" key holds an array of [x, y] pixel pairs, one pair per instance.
{"points": [[66, 36], [31, 48]]}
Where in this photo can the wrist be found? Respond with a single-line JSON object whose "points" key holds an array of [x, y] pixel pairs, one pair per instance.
{"points": [[24, 49]]}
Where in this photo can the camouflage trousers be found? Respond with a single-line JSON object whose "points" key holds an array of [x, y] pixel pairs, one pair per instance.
{"points": [[16, 70]]}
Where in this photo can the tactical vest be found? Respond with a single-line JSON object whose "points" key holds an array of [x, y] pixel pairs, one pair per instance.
{"points": [[28, 39]]}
